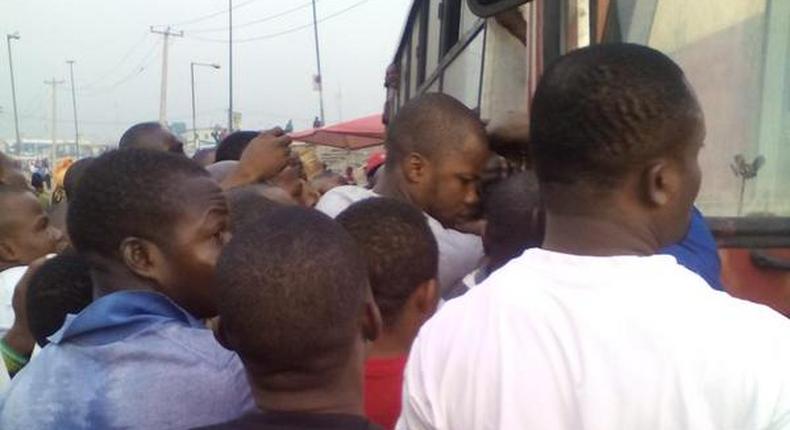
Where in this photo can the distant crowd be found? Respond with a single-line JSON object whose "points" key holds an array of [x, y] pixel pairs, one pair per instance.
{"points": [[579, 289]]}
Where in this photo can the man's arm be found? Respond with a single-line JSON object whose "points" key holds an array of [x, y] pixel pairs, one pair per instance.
{"points": [[265, 156]]}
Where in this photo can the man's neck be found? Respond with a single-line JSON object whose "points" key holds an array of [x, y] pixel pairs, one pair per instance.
{"points": [[393, 342], [585, 235], [391, 185], [113, 277], [341, 393]]}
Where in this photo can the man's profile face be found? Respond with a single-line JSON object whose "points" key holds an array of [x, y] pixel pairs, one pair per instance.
{"points": [[28, 228], [199, 234], [452, 187]]}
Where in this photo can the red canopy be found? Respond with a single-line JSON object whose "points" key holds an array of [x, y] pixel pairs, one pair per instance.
{"points": [[355, 134]]}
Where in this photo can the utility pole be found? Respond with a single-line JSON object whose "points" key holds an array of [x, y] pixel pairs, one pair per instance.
{"points": [[192, 75], [74, 108], [54, 83], [8, 38], [318, 61], [230, 66], [166, 33]]}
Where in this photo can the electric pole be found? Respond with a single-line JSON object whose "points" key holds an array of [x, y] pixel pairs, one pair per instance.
{"points": [[74, 108], [54, 83], [166, 33], [318, 61], [230, 66], [8, 39]]}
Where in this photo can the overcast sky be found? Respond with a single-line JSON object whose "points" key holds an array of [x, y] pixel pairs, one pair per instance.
{"points": [[119, 62]]}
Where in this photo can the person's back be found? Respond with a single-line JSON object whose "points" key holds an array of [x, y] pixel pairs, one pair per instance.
{"points": [[138, 356], [593, 330], [402, 257]]}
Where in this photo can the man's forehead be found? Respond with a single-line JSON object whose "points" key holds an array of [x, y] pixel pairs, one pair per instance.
{"points": [[202, 193]]}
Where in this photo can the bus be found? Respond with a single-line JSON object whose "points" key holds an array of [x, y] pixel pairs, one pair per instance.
{"points": [[490, 53]]}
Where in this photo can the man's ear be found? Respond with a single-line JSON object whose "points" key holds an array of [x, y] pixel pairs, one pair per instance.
{"points": [[370, 320], [8, 251], [415, 167], [426, 298], [659, 182], [143, 258]]}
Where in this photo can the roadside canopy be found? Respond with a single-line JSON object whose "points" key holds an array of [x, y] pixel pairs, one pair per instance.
{"points": [[355, 134]]}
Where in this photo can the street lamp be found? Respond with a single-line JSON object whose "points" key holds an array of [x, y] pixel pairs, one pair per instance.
{"points": [[9, 37], [192, 73]]}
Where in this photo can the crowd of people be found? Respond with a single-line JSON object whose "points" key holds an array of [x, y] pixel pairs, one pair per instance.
{"points": [[231, 291]]}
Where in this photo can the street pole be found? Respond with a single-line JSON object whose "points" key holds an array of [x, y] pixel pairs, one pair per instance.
{"points": [[74, 108], [163, 91], [230, 66], [54, 84], [318, 61], [18, 148], [194, 126], [192, 74]]}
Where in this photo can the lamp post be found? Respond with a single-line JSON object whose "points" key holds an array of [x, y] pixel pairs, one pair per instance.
{"points": [[192, 73], [8, 38]]}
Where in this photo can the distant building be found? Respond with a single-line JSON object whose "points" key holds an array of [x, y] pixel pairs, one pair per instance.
{"points": [[42, 148]]}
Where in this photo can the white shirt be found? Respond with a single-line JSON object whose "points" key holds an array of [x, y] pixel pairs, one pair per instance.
{"points": [[8, 280], [554, 341], [459, 253]]}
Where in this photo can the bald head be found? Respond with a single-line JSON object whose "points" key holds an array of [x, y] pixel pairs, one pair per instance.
{"points": [[150, 135], [430, 125]]}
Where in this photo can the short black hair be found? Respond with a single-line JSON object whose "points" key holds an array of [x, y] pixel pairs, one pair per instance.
{"points": [[61, 286], [430, 124], [131, 138], [36, 180], [291, 291], [603, 109], [401, 250], [514, 221], [234, 144], [126, 193], [74, 174], [247, 205]]}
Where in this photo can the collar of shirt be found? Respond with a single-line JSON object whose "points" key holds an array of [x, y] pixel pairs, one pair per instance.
{"points": [[117, 315]]}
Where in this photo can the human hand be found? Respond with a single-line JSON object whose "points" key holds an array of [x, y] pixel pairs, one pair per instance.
{"points": [[265, 156]]}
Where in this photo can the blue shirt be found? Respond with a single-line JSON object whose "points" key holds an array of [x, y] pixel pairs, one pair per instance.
{"points": [[698, 252], [131, 359]]}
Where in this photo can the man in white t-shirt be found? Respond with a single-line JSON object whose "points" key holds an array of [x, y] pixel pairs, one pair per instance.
{"points": [[436, 152], [593, 331]]}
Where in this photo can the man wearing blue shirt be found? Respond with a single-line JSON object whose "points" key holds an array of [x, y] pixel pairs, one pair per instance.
{"points": [[151, 226]]}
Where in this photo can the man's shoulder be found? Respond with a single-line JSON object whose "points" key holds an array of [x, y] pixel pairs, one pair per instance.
{"points": [[339, 198]]}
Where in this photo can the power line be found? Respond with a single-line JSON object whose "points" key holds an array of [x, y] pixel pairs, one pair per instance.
{"points": [[212, 15], [257, 21], [136, 71], [123, 59], [284, 32]]}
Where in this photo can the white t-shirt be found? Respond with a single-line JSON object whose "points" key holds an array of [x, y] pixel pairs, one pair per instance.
{"points": [[554, 341], [8, 280], [459, 253]]}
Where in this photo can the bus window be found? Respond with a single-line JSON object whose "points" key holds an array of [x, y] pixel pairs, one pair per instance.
{"points": [[462, 78], [451, 18], [433, 36], [736, 57], [417, 73]]}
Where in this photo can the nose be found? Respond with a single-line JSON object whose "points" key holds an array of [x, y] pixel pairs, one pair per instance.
{"points": [[58, 239], [472, 197]]}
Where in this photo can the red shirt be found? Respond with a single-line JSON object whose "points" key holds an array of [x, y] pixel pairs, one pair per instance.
{"points": [[383, 389]]}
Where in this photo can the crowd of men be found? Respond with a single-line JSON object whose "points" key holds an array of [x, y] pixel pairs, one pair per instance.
{"points": [[232, 292]]}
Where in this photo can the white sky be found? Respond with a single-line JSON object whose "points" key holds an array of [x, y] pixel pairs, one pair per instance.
{"points": [[118, 62]]}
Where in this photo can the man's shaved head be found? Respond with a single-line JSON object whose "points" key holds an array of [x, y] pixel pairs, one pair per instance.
{"points": [[430, 124], [150, 135]]}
